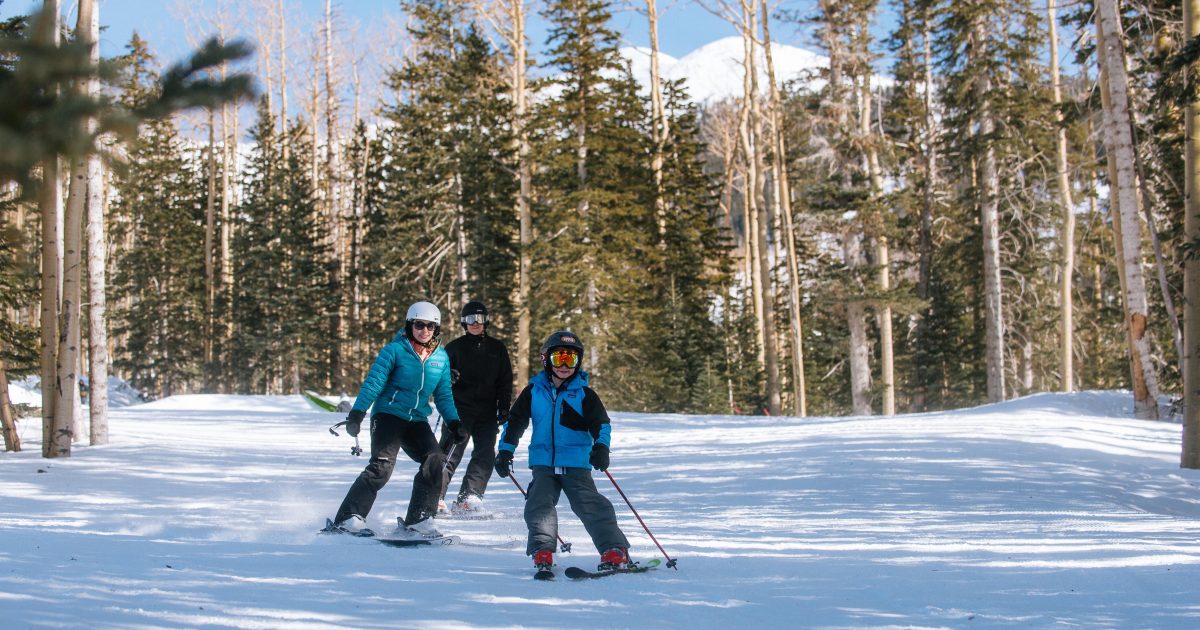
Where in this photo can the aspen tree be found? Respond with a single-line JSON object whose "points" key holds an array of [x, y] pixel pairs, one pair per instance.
{"points": [[781, 194], [49, 205], [69, 336], [1190, 453], [1119, 147], [96, 205], [1066, 359]]}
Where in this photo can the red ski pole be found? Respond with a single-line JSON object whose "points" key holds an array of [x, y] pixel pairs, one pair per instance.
{"points": [[563, 545], [670, 561]]}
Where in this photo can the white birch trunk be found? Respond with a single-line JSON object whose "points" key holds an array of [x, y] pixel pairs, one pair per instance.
{"points": [[839, 103], [782, 194], [989, 216], [210, 227], [658, 123], [1066, 360], [228, 156], [856, 322], [69, 321], [97, 255], [525, 194], [1118, 141], [334, 198], [930, 138], [283, 89], [49, 202], [752, 147], [8, 421], [1190, 452], [882, 255], [508, 19]]}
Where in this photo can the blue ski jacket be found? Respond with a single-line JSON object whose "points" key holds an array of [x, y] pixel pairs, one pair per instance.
{"points": [[567, 421], [400, 383]]}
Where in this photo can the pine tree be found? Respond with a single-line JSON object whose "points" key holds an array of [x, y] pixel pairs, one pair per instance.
{"points": [[283, 293], [446, 230], [999, 121], [363, 154], [695, 264], [18, 292], [483, 161], [18, 277], [596, 258], [157, 267]]}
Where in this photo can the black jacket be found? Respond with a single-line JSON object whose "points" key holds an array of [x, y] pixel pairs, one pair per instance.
{"points": [[485, 378]]}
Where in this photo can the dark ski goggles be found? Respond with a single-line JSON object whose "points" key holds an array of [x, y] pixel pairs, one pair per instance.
{"points": [[420, 325], [564, 357], [474, 318]]}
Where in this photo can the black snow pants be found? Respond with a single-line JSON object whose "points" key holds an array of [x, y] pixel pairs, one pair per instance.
{"points": [[483, 456], [594, 509], [390, 434]]}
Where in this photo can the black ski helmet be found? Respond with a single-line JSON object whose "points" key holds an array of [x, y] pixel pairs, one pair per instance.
{"points": [[561, 339], [473, 308]]}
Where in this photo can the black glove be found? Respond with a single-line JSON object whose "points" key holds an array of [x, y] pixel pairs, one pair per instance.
{"points": [[457, 431], [504, 463], [354, 421], [599, 458], [502, 417], [454, 376]]}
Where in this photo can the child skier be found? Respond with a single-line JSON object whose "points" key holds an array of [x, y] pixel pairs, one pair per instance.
{"points": [[570, 433]]}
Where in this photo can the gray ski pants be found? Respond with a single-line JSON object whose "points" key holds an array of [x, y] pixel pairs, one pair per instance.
{"points": [[594, 509]]}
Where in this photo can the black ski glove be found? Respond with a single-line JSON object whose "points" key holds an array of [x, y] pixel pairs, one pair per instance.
{"points": [[457, 431], [599, 458], [504, 463], [454, 376], [501, 417], [354, 421]]}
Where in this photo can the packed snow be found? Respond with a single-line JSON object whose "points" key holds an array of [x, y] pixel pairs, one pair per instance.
{"points": [[1053, 510]]}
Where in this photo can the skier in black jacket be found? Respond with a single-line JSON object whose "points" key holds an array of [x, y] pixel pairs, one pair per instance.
{"points": [[483, 382]]}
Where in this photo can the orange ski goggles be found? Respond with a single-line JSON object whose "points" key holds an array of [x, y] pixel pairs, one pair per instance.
{"points": [[563, 357]]}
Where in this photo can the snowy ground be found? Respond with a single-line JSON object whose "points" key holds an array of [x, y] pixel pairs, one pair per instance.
{"points": [[1054, 510]]}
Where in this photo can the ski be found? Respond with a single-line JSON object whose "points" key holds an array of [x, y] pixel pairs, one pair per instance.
{"points": [[575, 573], [470, 516], [419, 542], [317, 402]]}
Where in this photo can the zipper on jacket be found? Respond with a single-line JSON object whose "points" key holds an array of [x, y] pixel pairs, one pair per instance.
{"points": [[553, 421], [417, 402]]}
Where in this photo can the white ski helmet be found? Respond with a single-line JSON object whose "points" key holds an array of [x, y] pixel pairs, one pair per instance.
{"points": [[424, 311]]}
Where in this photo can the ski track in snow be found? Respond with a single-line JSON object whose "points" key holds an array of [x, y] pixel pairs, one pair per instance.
{"points": [[1048, 511]]}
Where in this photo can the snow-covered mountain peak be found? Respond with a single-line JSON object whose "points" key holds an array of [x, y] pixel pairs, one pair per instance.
{"points": [[715, 71]]}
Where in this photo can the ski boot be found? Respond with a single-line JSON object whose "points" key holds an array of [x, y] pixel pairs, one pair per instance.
{"points": [[614, 559], [543, 561], [423, 529]]}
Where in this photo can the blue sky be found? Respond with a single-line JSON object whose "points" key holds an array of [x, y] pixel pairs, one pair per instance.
{"points": [[684, 25]]}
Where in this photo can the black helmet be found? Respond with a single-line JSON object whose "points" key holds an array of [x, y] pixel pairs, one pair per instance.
{"points": [[561, 339], [473, 308]]}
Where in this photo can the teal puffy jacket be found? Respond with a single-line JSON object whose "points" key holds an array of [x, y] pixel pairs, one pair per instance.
{"points": [[400, 383]]}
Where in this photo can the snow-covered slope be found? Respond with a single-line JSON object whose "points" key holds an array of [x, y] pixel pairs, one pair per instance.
{"points": [[1049, 511]]}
